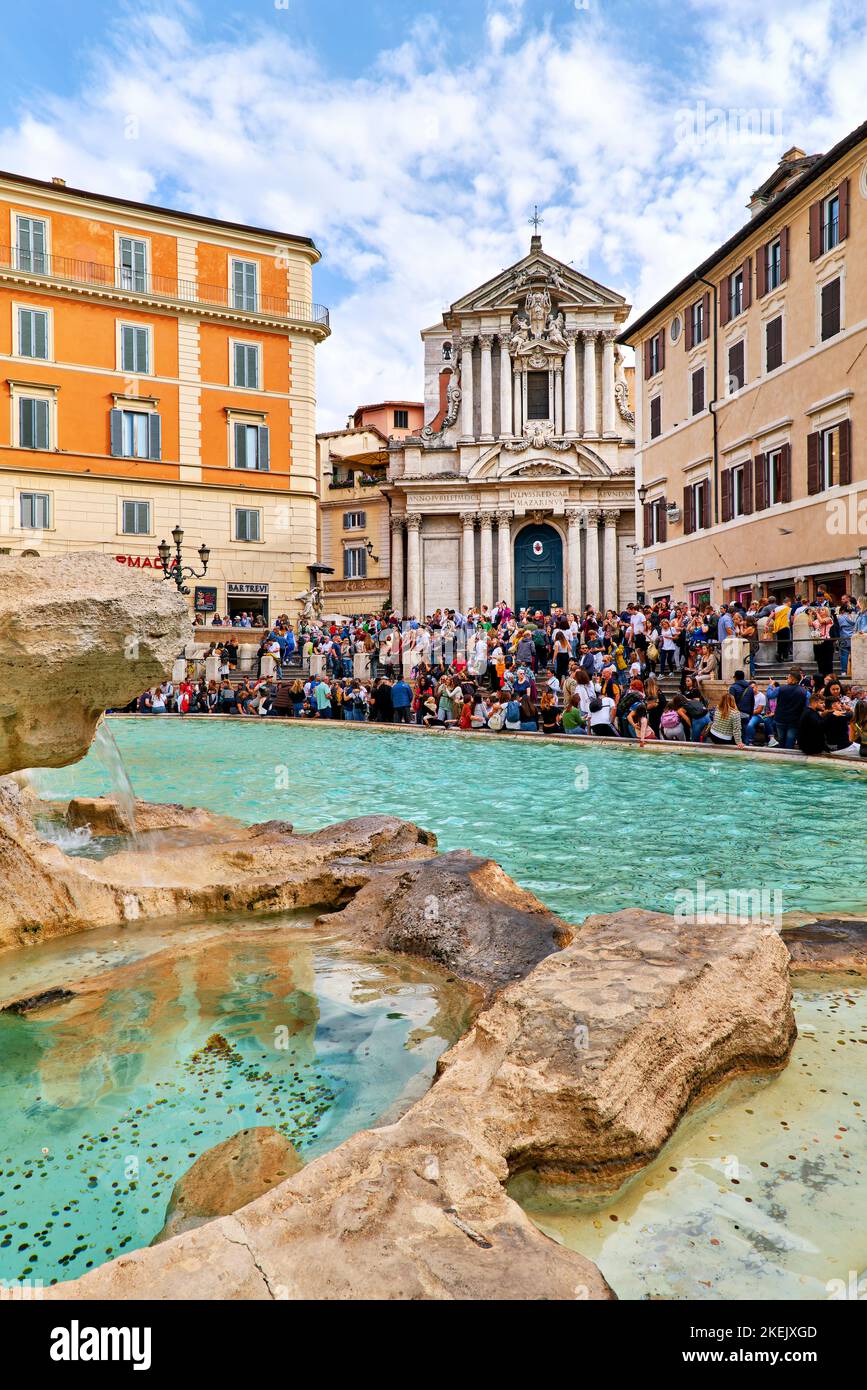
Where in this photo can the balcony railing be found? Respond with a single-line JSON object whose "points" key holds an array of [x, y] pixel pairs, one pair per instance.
{"points": [[94, 274]]}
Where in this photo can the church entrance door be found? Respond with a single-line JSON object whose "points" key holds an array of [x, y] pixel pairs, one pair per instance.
{"points": [[538, 568]]}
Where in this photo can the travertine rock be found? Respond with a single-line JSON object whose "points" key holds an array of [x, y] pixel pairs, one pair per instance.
{"points": [[585, 1066], [828, 944], [228, 1177], [79, 634]]}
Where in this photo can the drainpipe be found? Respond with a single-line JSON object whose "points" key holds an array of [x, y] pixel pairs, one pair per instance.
{"points": [[713, 404]]}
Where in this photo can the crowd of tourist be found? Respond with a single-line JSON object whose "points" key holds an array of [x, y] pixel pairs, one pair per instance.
{"points": [[594, 674]]}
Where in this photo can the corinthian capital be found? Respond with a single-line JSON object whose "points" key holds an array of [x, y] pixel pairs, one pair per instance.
{"points": [[397, 523], [468, 519], [486, 520], [413, 521]]}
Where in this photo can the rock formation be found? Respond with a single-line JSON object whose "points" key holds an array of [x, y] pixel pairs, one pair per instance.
{"points": [[828, 944], [583, 1067], [78, 635], [228, 1177]]}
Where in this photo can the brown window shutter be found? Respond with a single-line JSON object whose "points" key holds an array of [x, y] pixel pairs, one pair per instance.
{"points": [[688, 511], [647, 344], [724, 292], [661, 348], [760, 473], [761, 276], [748, 281], [815, 231], [706, 486], [748, 489], [727, 495], [843, 195], [784, 254], [687, 330], [812, 464], [706, 315], [786, 473], [648, 524], [845, 444], [662, 524]]}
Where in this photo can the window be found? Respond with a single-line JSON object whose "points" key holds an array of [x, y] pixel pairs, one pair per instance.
{"points": [[251, 446], [136, 520], [830, 309], [33, 422], [247, 524], [736, 294], [35, 511], [696, 506], [655, 522], [354, 521], [737, 491], [246, 356], [831, 222], [33, 333], [829, 457], [654, 355], [244, 286], [656, 417], [772, 477], [132, 263], [135, 434], [355, 562], [773, 264], [736, 374], [31, 240], [401, 419], [698, 326], [134, 349], [773, 344], [537, 395], [697, 384]]}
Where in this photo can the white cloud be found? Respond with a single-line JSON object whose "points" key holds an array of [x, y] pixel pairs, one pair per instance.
{"points": [[417, 178]]}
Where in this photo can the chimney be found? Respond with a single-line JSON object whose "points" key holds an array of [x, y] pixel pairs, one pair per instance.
{"points": [[61, 183]]}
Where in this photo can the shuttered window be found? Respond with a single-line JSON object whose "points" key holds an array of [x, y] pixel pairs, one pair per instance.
{"points": [[135, 434], [774, 344], [33, 333], [247, 524], [736, 372], [33, 423], [697, 385], [132, 268], [246, 357], [35, 512], [134, 349], [136, 518], [831, 322], [244, 285], [656, 417], [355, 562], [251, 447], [31, 240]]}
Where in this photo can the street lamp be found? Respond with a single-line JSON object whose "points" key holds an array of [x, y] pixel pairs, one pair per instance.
{"points": [[173, 565], [642, 493]]}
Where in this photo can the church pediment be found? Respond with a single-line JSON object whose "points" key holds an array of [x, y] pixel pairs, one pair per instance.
{"points": [[507, 291], [537, 464]]}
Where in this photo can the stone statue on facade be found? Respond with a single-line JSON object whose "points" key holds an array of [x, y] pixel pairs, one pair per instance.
{"points": [[312, 603], [556, 330], [538, 305]]}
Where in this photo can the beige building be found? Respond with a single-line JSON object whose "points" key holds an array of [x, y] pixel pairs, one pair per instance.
{"points": [[354, 511], [158, 371], [520, 484], [751, 466]]}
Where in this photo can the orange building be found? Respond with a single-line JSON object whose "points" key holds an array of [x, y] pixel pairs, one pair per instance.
{"points": [[158, 368]]}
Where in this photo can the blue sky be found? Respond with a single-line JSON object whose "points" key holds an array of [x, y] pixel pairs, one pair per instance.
{"points": [[412, 140]]}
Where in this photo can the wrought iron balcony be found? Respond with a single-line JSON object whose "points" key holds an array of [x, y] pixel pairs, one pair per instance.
{"points": [[97, 275]]}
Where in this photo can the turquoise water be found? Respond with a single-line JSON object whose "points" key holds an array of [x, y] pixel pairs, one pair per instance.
{"points": [[107, 1098], [586, 829], [758, 1192]]}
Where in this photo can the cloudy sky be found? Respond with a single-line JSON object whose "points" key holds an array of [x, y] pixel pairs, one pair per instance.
{"points": [[411, 140]]}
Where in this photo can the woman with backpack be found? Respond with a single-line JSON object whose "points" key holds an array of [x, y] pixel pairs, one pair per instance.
{"points": [[675, 725]]}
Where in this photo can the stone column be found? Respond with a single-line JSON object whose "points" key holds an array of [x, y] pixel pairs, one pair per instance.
{"points": [[487, 404], [610, 559], [486, 597], [594, 516], [398, 581], [609, 422], [590, 425], [468, 429], [413, 567], [505, 387], [504, 556], [518, 388], [573, 566], [468, 561], [570, 386], [558, 401]]}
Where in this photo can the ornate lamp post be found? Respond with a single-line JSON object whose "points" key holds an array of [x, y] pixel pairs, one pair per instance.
{"points": [[173, 565]]}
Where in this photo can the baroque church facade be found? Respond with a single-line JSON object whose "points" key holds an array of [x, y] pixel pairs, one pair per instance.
{"points": [[520, 485]]}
